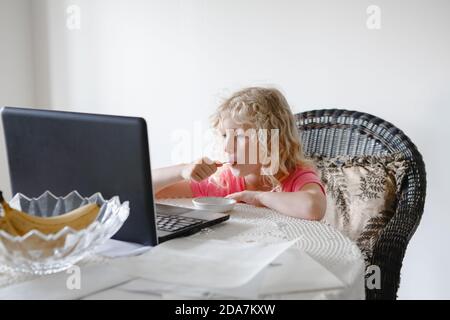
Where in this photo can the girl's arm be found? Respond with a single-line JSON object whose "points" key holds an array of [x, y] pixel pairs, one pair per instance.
{"points": [[307, 203], [173, 182], [169, 182]]}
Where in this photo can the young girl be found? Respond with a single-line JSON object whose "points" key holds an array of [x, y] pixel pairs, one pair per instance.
{"points": [[293, 188]]}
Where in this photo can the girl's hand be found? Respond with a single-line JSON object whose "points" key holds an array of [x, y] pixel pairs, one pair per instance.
{"points": [[249, 197], [200, 169]]}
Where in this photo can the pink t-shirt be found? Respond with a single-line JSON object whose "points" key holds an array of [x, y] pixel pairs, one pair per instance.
{"points": [[294, 182]]}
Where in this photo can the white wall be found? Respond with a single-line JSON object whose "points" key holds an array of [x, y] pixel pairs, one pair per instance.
{"points": [[16, 66], [170, 61]]}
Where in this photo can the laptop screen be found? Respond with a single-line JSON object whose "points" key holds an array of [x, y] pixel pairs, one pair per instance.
{"points": [[66, 151]]}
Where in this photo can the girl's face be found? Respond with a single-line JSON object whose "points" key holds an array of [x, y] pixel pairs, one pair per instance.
{"points": [[241, 148]]}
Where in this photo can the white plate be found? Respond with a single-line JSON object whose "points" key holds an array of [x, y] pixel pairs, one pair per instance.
{"points": [[215, 204]]}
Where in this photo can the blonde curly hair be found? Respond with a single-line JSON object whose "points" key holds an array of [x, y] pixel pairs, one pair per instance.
{"points": [[266, 108]]}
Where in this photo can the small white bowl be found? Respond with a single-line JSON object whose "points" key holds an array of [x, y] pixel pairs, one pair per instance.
{"points": [[215, 204]]}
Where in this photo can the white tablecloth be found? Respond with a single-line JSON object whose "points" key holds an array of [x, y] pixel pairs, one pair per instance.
{"points": [[247, 223]]}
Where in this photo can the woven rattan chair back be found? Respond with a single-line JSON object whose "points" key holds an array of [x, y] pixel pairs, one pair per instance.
{"points": [[335, 132]]}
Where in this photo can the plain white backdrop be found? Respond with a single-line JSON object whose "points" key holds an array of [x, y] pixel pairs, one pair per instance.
{"points": [[172, 61]]}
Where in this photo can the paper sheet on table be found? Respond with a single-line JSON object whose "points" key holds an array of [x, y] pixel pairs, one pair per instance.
{"points": [[114, 249], [140, 288], [296, 271], [292, 272], [148, 289], [203, 263], [93, 278]]}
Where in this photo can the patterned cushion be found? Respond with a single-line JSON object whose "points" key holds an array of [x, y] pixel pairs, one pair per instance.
{"points": [[361, 194]]}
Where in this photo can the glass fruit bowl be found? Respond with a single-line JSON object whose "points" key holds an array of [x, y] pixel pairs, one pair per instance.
{"points": [[44, 252]]}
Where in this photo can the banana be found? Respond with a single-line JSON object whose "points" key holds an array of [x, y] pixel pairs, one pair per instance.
{"points": [[19, 223], [5, 226]]}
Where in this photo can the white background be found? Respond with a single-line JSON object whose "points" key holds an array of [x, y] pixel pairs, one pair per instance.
{"points": [[171, 62]]}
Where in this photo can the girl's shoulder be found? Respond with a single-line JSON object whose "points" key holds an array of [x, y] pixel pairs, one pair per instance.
{"points": [[299, 177], [299, 171]]}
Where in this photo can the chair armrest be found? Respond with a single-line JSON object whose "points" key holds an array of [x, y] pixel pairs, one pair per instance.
{"points": [[390, 248]]}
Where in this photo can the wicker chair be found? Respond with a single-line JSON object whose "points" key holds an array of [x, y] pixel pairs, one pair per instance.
{"points": [[336, 132]]}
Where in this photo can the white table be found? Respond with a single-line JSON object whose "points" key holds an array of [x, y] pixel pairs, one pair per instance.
{"points": [[325, 244]]}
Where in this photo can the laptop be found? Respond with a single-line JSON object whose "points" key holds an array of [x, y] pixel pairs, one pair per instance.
{"points": [[65, 151]]}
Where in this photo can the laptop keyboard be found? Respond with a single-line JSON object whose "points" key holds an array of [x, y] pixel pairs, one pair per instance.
{"points": [[174, 223]]}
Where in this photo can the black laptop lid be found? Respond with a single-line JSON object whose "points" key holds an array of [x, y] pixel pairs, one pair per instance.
{"points": [[65, 151]]}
